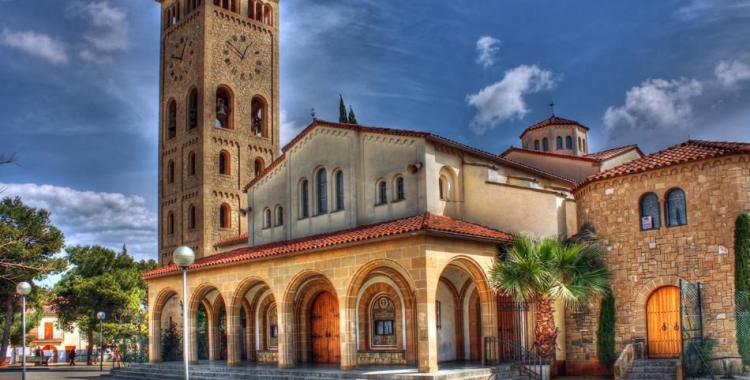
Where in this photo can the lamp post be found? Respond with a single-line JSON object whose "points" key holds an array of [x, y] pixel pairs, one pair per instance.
{"points": [[24, 289], [100, 316], [184, 256]]}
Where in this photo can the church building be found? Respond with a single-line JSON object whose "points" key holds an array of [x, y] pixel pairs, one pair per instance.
{"points": [[352, 244]]}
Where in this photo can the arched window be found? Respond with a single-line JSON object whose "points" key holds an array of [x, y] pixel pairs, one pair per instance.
{"points": [[258, 114], [171, 119], [568, 142], [251, 9], [170, 172], [170, 223], [304, 203], [273, 327], [559, 143], [650, 212], [398, 186], [339, 190], [191, 217], [223, 108], [585, 148], [382, 189], [580, 146], [259, 166], [268, 15], [258, 11], [225, 166], [279, 215], [443, 187], [233, 6], [267, 218], [545, 144], [321, 189], [383, 314], [192, 120], [676, 209], [225, 216], [191, 163], [536, 144]]}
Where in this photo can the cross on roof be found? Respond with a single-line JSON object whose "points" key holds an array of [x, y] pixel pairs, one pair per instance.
{"points": [[552, 108]]}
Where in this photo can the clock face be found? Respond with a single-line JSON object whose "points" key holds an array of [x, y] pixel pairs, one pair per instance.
{"points": [[179, 54], [242, 57]]}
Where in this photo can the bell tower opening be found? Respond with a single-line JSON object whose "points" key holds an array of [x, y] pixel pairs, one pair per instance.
{"points": [[219, 116]]}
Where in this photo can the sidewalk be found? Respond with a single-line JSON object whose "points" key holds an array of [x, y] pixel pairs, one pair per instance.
{"points": [[55, 371]]}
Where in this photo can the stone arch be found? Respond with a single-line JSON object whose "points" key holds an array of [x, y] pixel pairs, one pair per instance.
{"points": [[295, 308], [156, 324], [253, 287], [641, 299], [197, 299], [357, 298], [478, 278]]}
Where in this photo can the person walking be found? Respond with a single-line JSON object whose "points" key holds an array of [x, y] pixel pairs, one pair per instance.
{"points": [[72, 356]]}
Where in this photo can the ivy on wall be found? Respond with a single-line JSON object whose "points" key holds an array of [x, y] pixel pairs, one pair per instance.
{"points": [[605, 333]]}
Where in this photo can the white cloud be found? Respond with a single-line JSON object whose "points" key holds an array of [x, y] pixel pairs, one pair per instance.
{"points": [[656, 103], [89, 218], [38, 44], [110, 23], [732, 72], [505, 99], [487, 47], [289, 128]]}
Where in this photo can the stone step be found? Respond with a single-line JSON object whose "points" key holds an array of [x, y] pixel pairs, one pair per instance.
{"points": [[654, 363], [651, 369]]}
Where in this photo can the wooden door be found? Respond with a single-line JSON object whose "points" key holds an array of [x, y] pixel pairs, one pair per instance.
{"points": [[663, 319], [324, 323], [48, 331]]}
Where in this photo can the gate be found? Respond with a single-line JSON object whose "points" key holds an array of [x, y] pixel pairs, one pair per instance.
{"points": [[694, 347]]}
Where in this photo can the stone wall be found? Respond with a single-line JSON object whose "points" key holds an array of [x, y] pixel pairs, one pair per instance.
{"points": [[716, 192], [381, 357]]}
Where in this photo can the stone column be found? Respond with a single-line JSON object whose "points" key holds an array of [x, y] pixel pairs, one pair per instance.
{"points": [[427, 354], [234, 330], [286, 339], [154, 339], [214, 346], [489, 320], [348, 334]]}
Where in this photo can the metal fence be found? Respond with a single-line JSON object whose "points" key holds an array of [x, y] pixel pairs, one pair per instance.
{"points": [[501, 351], [743, 325]]}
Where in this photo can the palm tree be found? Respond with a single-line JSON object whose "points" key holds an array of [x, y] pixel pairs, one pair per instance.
{"points": [[544, 270]]}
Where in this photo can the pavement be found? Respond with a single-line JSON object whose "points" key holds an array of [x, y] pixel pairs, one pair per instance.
{"points": [[54, 372]]}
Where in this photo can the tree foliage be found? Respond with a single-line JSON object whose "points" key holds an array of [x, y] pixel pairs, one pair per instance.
{"points": [[545, 270], [742, 252], [28, 244], [171, 343], [352, 117], [102, 280], [342, 110], [605, 333]]}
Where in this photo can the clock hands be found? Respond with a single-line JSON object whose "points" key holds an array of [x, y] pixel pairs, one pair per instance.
{"points": [[237, 51], [244, 52]]}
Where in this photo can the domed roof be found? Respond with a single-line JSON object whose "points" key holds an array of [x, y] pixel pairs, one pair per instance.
{"points": [[553, 121]]}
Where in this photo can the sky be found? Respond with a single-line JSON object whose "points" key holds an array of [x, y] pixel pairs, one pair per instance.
{"points": [[79, 85]]}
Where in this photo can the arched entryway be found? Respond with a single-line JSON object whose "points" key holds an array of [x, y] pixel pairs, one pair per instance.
{"points": [[663, 323], [253, 312], [325, 338]]}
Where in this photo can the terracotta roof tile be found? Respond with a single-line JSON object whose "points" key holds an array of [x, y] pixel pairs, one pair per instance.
{"points": [[688, 151], [232, 240], [614, 152], [548, 154], [423, 222], [554, 120]]}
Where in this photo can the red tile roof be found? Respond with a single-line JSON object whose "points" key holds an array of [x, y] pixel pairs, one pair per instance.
{"points": [[688, 151], [424, 222], [232, 240], [397, 132], [554, 120], [614, 152], [548, 154]]}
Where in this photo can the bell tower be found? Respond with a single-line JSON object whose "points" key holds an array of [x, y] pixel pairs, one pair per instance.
{"points": [[218, 116]]}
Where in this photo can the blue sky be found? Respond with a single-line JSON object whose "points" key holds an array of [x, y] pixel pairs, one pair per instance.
{"points": [[79, 85]]}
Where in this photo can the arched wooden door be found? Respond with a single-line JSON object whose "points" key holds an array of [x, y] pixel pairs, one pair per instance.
{"points": [[663, 319], [324, 322]]}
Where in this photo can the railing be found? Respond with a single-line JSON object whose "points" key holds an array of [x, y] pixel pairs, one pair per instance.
{"points": [[501, 351], [631, 352]]}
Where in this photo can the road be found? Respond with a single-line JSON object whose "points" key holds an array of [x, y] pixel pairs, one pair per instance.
{"points": [[53, 372]]}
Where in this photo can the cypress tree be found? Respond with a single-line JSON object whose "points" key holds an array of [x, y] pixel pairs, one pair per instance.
{"points": [[742, 252], [342, 110], [352, 117], [605, 333]]}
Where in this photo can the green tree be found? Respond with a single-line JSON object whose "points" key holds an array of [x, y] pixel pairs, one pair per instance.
{"points": [[102, 280], [352, 117], [171, 343], [342, 110], [605, 333], [28, 243], [545, 270]]}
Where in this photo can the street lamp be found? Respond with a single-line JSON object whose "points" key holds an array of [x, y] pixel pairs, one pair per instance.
{"points": [[24, 289], [100, 316], [184, 256]]}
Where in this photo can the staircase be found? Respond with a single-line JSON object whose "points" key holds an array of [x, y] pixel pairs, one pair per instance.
{"points": [[162, 371], [652, 370]]}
